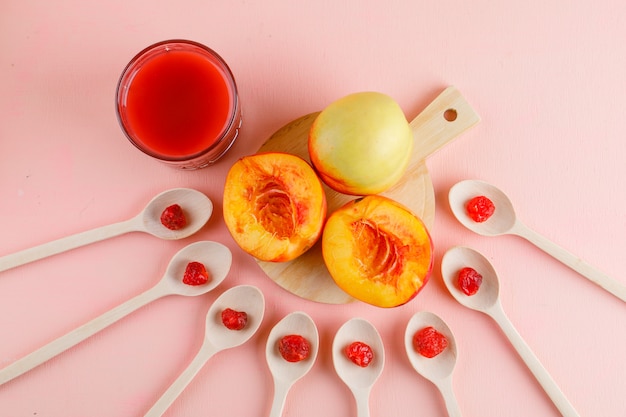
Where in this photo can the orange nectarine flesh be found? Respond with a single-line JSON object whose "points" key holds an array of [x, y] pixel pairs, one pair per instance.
{"points": [[274, 205], [377, 251]]}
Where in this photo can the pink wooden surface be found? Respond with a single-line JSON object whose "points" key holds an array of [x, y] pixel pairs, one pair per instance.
{"points": [[546, 78]]}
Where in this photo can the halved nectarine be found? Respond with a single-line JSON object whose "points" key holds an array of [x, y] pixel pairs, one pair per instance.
{"points": [[274, 205], [377, 251]]}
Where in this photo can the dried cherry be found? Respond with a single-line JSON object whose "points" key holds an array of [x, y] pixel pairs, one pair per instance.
{"points": [[234, 320], [480, 208], [195, 274], [429, 343], [469, 280], [294, 348], [173, 217], [360, 353]]}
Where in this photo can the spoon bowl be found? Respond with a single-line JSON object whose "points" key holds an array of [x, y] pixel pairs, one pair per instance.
{"points": [[487, 301], [459, 257], [246, 298], [438, 369], [196, 206], [504, 221], [441, 366], [216, 258], [217, 337], [360, 380], [358, 330], [285, 373], [503, 218]]}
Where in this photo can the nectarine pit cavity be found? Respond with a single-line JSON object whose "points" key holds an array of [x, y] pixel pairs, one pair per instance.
{"points": [[380, 254], [276, 210]]}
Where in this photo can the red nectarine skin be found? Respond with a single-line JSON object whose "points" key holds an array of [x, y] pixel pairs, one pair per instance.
{"points": [[377, 251], [274, 205]]}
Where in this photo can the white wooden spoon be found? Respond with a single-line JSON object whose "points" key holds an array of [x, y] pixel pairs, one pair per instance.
{"points": [[196, 206], [360, 380], [438, 369], [487, 301], [216, 258], [285, 373], [504, 221], [217, 337]]}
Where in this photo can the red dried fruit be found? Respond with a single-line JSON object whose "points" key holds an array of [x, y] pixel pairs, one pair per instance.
{"points": [[480, 208], [294, 348], [429, 343], [469, 280], [360, 353], [195, 274], [234, 320], [173, 217]]}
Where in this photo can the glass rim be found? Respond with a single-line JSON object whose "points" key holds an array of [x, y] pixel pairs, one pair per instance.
{"points": [[228, 78]]}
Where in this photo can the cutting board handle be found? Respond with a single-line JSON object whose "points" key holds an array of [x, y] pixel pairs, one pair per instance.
{"points": [[443, 120]]}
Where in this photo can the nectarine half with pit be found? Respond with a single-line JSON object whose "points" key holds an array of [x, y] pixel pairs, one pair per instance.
{"points": [[361, 144], [274, 205], [377, 251]]}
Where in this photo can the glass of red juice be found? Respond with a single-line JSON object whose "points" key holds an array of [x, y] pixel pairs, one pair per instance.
{"points": [[177, 102]]}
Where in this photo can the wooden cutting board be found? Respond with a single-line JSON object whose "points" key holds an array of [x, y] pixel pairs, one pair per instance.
{"points": [[440, 122]]}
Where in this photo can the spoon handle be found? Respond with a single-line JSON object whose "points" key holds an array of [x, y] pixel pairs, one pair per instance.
{"points": [[76, 336], [572, 261], [280, 395], [167, 399], [66, 243], [361, 397], [532, 362], [452, 405]]}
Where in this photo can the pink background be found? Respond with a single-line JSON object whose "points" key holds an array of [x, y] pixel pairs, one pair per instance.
{"points": [[547, 78]]}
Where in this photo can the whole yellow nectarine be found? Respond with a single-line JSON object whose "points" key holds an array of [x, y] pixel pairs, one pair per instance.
{"points": [[361, 144]]}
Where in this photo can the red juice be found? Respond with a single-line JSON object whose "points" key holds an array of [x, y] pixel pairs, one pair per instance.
{"points": [[177, 102]]}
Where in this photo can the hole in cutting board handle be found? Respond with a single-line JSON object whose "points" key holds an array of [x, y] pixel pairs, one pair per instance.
{"points": [[450, 115]]}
